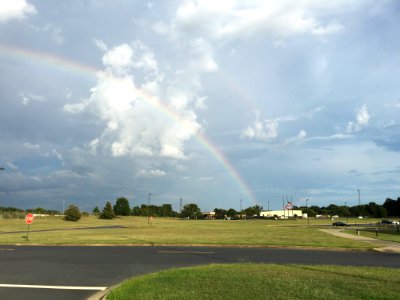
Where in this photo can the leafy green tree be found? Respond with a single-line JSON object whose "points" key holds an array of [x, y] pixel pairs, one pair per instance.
{"points": [[359, 210], [39, 210], [231, 213], [108, 212], [220, 213], [191, 211], [136, 211], [166, 210], [253, 211], [72, 213], [96, 210], [310, 212], [121, 207], [376, 211], [392, 207]]}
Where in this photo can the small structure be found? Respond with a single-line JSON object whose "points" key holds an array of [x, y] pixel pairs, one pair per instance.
{"points": [[210, 215], [282, 214]]}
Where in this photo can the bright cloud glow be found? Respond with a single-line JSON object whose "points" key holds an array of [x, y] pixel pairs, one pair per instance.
{"points": [[262, 130], [151, 173], [138, 122], [15, 9], [362, 120]]}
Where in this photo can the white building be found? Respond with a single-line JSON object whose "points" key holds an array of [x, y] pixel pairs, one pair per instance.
{"points": [[282, 214]]}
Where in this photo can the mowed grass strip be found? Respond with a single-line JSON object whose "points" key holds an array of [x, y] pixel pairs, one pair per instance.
{"points": [[384, 233], [263, 281], [136, 231]]}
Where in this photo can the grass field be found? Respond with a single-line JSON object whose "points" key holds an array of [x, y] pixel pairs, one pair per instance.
{"points": [[263, 281], [386, 233], [136, 231]]}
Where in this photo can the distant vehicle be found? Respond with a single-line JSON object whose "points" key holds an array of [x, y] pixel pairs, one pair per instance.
{"points": [[340, 224], [389, 222]]}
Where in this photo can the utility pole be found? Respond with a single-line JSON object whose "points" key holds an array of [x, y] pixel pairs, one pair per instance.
{"points": [[268, 205], [148, 209], [283, 207], [1, 169]]}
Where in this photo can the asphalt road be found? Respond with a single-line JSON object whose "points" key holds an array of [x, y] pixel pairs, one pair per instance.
{"points": [[49, 271]]}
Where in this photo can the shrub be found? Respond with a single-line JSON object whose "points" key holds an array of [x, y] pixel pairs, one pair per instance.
{"points": [[72, 213], [121, 207], [108, 212]]}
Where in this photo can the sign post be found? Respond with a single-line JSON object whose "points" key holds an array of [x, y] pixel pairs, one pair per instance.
{"points": [[29, 221]]}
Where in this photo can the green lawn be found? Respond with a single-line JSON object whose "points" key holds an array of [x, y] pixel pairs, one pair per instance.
{"points": [[263, 281], [137, 231], [386, 233]]}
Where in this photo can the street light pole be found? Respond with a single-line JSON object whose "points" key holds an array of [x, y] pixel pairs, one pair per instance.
{"points": [[148, 209]]}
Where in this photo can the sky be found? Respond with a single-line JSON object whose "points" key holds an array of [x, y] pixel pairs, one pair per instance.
{"points": [[224, 104]]}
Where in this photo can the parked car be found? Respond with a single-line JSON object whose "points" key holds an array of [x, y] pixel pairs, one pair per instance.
{"points": [[389, 222], [340, 224]]}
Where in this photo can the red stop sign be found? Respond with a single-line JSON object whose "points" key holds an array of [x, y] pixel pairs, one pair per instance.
{"points": [[29, 219]]}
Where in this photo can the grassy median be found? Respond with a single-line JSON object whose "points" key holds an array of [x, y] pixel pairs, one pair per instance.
{"points": [[263, 281], [137, 231]]}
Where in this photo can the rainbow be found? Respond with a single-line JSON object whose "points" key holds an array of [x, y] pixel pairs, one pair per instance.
{"points": [[66, 65]]}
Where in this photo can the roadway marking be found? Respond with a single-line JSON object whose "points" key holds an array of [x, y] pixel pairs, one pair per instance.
{"points": [[55, 287], [6, 249], [184, 252]]}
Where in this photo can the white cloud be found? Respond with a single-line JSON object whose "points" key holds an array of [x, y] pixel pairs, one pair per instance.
{"points": [[393, 105], [391, 123], [11, 165], [237, 19], [203, 56], [302, 134], [362, 120], [330, 28], [100, 45], [300, 137], [119, 59], [153, 118], [206, 178], [75, 108], [57, 154], [268, 129], [68, 95], [56, 33], [307, 115], [32, 146], [261, 130], [338, 136], [26, 98], [15, 9], [151, 173]]}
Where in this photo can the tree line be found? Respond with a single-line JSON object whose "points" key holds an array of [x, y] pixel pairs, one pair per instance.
{"points": [[390, 208]]}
